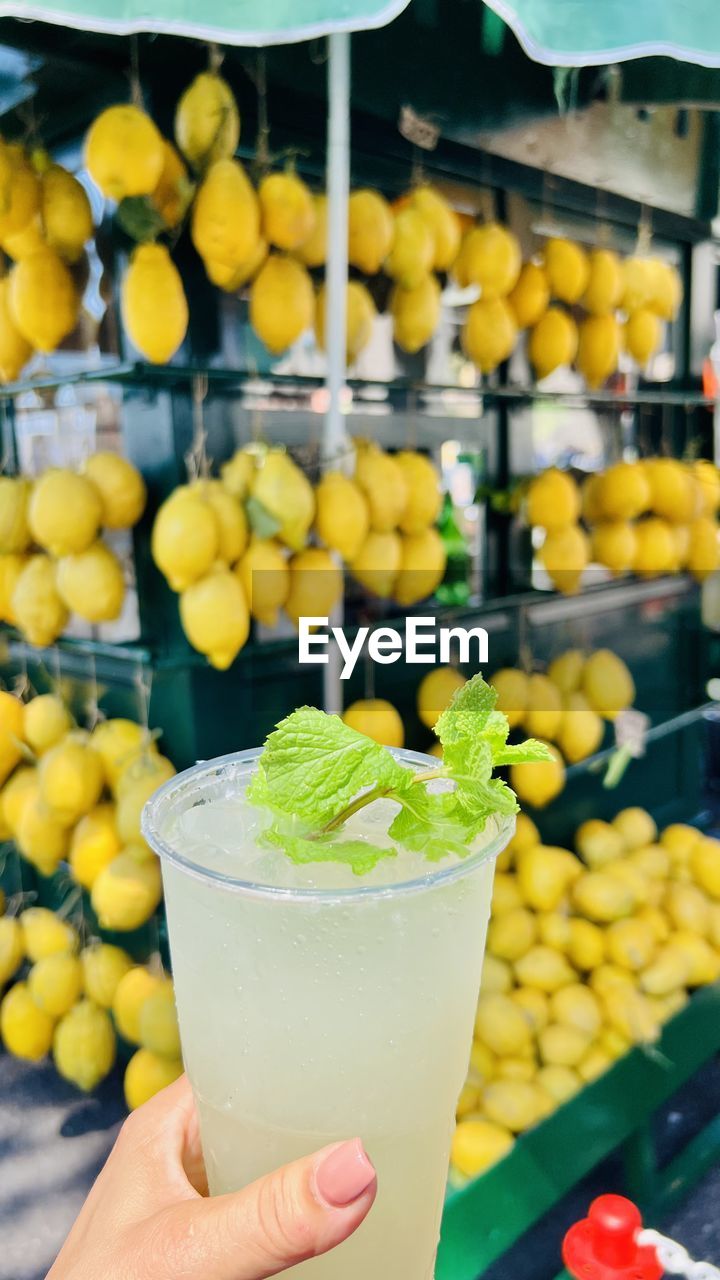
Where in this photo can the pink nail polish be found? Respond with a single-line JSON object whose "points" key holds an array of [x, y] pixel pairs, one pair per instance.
{"points": [[344, 1174]]}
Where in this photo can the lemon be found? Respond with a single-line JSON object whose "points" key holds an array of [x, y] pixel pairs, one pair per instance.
{"points": [[84, 1045], [602, 897], [553, 342], [119, 743], [554, 929], [614, 544], [544, 968], [236, 475], [630, 944], [605, 282], [45, 934], [207, 122], [657, 921], [316, 585], [581, 729], [656, 548], [624, 491], [423, 559], [14, 529], [146, 1074], [287, 209], [530, 296], [468, 1101], [586, 948], [567, 268], [124, 152], [46, 720], [703, 961], [707, 478], [11, 727], [482, 1065], [506, 893], [26, 1029], [489, 257], [121, 488], [666, 293], [705, 866], [630, 1012], [226, 216], [511, 934], [103, 968], [703, 556], [490, 333], [11, 566], [383, 481], [443, 222], [171, 195], [674, 492], [635, 827], [424, 493], [513, 691], [286, 494], [71, 779], [543, 707], [40, 837], [642, 335], [578, 1007], [553, 500], [231, 520], [93, 845], [43, 301], [496, 976], [312, 252], [534, 1004], [598, 349], [513, 1104], [265, 578], [638, 283], [377, 563], [65, 212], [501, 1025], [126, 892], [282, 302], [539, 782], [91, 583], [561, 1083], [370, 230], [215, 616], [607, 683], [342, 516], [526, 834], [231, 277], [415, 313], [154, 307], [477, 1145], [158, 1024], [360, 316], [64, 513], [131, 991], [679, 839], [39, 612], [55, 983], [185, 537], [137, 783], [435, 693], [377, 719], [564, 1044], [687, 907], [21, 203], [668, 970], [12, 950], [597, 842], [412, 251], [15, 350], [565, 553]]}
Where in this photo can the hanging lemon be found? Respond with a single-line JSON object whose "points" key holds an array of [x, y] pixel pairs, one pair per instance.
{"points": [[226, 216], [342, 517], [489, 257], [376, 719], [287, 209], [91, 583], [265, 579], [185, 537], [15, 350], [443, 222], [146, 1074], [642, 334], [416, 314], [43, 300], [26, 1030], [154, 306], [36, 603], [412, 252], [312, 252], [490, 333], [316, 584], [598, 349], [84, 1045], [64, 512], [215, 617], [14, 530], [173, 191], [282, 303], [567, 269], [605, 283], [360, 317], [94, 844], [71, 778], [22, 202], [231, 520], [383, 481], [423, 560], [377, 563], [423, 489], [207, 122], [124, 152], [11, 566], [46, 720], [65, 212], [553, 342], [126, 892], [285, 493], [370, 230], [530, 297], [121, 488]]}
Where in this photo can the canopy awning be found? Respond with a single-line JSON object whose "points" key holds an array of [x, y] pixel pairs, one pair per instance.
{"points": [[581, 33], [230, 22]]}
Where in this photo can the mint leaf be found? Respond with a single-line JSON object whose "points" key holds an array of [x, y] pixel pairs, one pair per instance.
{"points": [[428, 823], [468, 712], [528, 752], [313, 765], [356, 854]]}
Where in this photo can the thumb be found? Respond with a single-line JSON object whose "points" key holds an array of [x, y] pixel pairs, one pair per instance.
{"points": [[295, 1213]]}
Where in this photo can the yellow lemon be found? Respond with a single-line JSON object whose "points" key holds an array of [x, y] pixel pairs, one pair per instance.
{"points": [[360, 316], [45, 934], [423, 489], [607, 683], [515, 1104], [530, 297], [489, 257], [71, 778], [490, 333], [103, 967], [46, 720], [544, 968], [435, 692], [370, 230], [567, 268], [512, 934], [171, 195], [93, 845], [631, 944], [377, 563], [154, 307], [543, 875], [477, 1145], [36, 605], [614, 544], [501, 1025], [139, 780], [513, 691], [602, 897], [11, 727], [316, 584], [14, 528], [185, 537], [553, 342], [236, 474], [124, 152], [415, 313], [605, 282], [577, 1006], [84, 1045], [146, 1074], [126, 892], [666, 293], [543, 707], [656, 548], [158, 1024], [312, 252], [638, 283], [423, 559], [623, 491], [597, 842], [12, 951], [581, 729], [119, 743], [635, 827], [565, 553], [282, 302], [412, 251], [553, 500], [121, 487], [674, 493], [563, 1045], [91, 583], [226, 216], [443, 222], [285, 494], [64, 512], [15, 350], [231, 520], [207, 122], [539, 782], [42, 298], [131, 992], [65, 212], [342, 515], [265, 578], [215, 616], [26, 1029], [287, 209], [586, 948], [642, 335], [55, 983], [383, 481], [598, 349]]}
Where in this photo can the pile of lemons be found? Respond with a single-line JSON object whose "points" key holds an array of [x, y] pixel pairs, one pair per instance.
{"points": [[588, 954], [270, 237], [74, 1001], [261, 539], [53, 559], [45, 223], [71, 799], [653, 516]]}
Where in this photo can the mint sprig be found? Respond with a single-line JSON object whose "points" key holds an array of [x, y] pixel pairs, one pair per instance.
{"points": [[315, 773]]}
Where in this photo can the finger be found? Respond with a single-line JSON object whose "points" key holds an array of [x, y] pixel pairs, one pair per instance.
{"points": [[159, 1145], [295, 1213]]}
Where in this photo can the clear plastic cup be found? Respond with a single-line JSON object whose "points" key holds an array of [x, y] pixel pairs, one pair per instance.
{"points": [[316, 1005]]}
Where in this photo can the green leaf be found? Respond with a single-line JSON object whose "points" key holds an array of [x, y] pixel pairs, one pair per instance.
{"points": [[313, 765], [262, 522], [427, 823], [529, 752], [139, 218], [356, 854], [468, 712]]}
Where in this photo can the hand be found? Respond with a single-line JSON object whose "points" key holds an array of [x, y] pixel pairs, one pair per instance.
{"points": [[148, 1216]]}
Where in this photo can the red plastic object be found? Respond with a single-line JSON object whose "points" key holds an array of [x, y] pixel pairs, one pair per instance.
{"points": [[604, 1245]]}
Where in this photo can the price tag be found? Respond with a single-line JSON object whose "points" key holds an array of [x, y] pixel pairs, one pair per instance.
{"points": [[631, 728]]}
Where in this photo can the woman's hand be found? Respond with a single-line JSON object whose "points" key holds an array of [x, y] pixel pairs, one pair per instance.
{"points": [[148, 1216]]}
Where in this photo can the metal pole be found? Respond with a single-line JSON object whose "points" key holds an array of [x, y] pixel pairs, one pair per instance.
{"points": [[338, 183]]}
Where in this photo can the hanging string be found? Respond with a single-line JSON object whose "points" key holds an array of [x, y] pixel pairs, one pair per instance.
{"points": [[136, 93], [196, 460], [262, 142], [216, 57]]}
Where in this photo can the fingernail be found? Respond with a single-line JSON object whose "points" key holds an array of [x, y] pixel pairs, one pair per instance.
{"points": [[344, 1174]]}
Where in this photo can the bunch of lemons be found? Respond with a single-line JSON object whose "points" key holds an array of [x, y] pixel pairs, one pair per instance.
{"points": [[588, 954], [53, 559], [653, 516], [261, 538], [74, 1002]]}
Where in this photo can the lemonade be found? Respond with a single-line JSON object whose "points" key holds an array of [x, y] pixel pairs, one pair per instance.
{"points": [[316, 1005]]}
